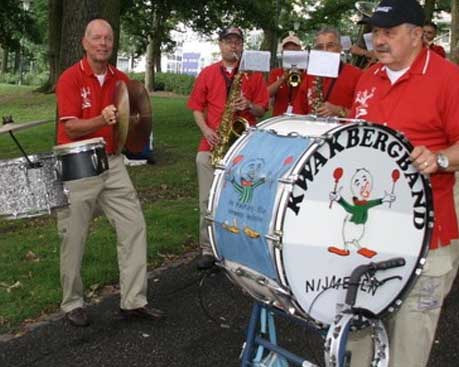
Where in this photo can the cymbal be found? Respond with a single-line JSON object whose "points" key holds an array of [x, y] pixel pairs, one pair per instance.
{"points": [[21, 126], [140, 127], [121, 102]]}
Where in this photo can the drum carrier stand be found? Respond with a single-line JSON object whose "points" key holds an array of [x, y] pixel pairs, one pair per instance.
{"points": [[336, 337]]}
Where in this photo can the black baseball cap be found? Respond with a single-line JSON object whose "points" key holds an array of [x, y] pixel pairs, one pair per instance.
{"points": [[231, 31], [391, 13]]}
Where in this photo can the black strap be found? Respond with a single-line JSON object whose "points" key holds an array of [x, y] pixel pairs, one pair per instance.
{"points": [[332, 85], [228, 80]]}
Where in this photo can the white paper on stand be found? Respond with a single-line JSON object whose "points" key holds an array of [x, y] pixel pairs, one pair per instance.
{"points": [[255, 61], [295, 59], [324, 63], [346, 43], [368, 38]]}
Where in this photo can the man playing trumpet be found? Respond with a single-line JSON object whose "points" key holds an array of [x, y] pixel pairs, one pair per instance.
{"points": [[208, 101], [280, 85]]}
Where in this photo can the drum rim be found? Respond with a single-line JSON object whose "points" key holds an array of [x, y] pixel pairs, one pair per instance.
{"points": [[279, 220], [79, 146], [22, 160]]}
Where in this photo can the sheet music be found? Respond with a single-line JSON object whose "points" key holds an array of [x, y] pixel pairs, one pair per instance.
{"points": [[324, 63], [295, 59], [255, 61], [368, 38], [346, 43]]}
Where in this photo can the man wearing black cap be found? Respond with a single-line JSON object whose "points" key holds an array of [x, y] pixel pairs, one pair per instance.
{"points": [[207, 101], [415, 91]]}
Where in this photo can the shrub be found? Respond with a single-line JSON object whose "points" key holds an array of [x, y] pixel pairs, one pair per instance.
{"points": [[169, 82]]}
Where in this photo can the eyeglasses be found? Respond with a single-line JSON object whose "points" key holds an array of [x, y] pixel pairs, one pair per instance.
{"points": [[236, 42], [326, 46]]}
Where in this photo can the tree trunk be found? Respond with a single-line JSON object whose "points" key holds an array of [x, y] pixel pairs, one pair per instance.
{"points": [[455, 31], [5, 60], [54, 38], [150, 65], [269, 43], [17, 60], [110, 10], [429, 8]]}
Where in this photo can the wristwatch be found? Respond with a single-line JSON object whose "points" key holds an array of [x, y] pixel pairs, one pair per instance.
{"points": [[442, 161]]}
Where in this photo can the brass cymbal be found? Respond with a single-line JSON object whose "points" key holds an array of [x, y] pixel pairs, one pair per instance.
{"points": [[12, 126], [121, 102], [140, 127]]}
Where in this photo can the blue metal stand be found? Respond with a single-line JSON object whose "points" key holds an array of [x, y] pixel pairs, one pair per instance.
{"points": [[254, 339]]}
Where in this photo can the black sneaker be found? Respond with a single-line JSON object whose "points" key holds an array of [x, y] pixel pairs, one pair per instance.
{"points": [[147, 313], [205, 262], [77, 317]]}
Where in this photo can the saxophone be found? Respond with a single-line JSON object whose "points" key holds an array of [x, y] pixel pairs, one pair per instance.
{"points": [[317, 95], [231, 126]]}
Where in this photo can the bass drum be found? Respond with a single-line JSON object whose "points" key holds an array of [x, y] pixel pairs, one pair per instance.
{"points": [[299, 202]]}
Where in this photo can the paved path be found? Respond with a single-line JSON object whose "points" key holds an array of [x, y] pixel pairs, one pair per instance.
{"points": [[188, 337]]}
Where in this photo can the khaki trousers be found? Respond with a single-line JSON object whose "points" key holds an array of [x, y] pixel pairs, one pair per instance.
{"points": [[205, 178], [113, 192], [412, 329]]}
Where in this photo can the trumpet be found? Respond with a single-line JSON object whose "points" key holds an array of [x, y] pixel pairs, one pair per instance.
{"points": [[294, 78]]}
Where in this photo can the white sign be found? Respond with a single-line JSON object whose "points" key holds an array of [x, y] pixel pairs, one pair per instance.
{"points": [[295, 59], [324, 63], [346, 43], [255, 61], [368, 38]]}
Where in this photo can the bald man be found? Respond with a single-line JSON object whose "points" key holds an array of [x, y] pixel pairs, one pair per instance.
{"points": [[85, 111]]}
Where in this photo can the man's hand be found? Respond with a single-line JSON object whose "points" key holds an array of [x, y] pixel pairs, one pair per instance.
{"points": [[424, 160], [210, 135], [327, 110], [242, 104], [109, 114]]}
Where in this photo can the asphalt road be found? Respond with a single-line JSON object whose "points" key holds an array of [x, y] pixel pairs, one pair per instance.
{"points": [[205, 326]]}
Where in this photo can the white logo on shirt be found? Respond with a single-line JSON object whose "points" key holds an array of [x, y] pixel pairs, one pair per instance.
{"points": [[85, 93], [362, 102], [384, 9]]}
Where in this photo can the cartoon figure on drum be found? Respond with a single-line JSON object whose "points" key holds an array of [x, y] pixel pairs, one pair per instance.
{"points": [[354, 224], [250, 177], [95, 176]]}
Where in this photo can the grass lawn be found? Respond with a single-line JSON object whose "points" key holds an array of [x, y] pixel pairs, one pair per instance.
{"points": [[29, 248]]}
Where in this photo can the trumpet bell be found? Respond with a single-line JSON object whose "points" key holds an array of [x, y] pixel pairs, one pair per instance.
{"points": [[294, 79]]}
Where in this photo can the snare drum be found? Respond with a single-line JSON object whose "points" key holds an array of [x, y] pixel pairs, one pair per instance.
{"points": [[29, 192], [81, 159], [299, 202]]}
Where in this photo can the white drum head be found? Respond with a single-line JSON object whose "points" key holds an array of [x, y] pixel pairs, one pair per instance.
{"points": [[357, 200]]}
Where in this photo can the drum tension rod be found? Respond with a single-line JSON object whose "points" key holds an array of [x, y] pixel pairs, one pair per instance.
{"points": [[9, 120]]}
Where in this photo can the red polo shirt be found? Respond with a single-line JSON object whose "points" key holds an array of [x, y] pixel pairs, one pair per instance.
{"points": [[80, 96], [209, 95], [438, 49], [424, 105], [285, 95], [342, 93]]}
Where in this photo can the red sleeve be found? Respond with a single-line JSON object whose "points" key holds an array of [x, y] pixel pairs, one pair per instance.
{"points": [[259, 95], [198, 96], [274, 75], [300, 104], [68, 96]]}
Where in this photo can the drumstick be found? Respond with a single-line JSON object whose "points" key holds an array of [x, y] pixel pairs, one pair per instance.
{"points": [[337, 174], [395, 177]]}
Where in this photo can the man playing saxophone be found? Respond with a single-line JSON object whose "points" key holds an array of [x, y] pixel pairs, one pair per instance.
{"points": [[208, 101], [327, 96]]}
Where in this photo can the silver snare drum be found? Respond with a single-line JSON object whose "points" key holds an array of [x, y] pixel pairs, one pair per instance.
{"points": [[29, 192], [81, 159]]}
